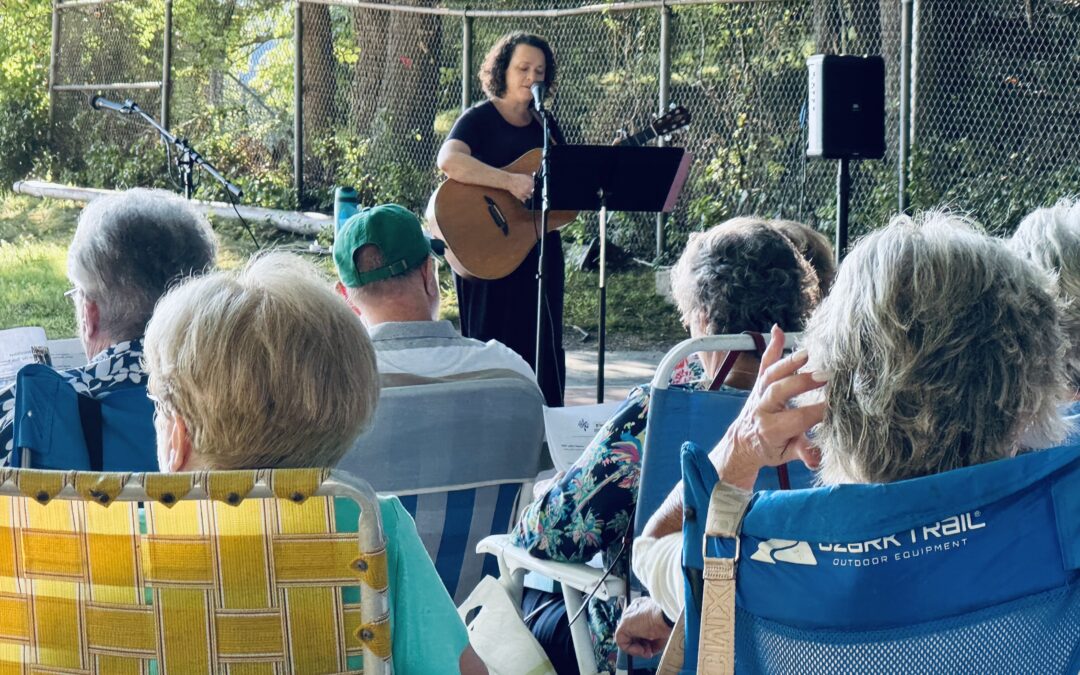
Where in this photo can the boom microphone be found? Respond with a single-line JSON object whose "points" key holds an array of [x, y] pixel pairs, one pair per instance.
{"points": [[539, 91], [101, 103]]}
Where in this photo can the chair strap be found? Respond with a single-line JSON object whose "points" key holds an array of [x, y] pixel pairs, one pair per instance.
{"points": [[671, 662], [716, 639], [729, 361], [90, 416]]}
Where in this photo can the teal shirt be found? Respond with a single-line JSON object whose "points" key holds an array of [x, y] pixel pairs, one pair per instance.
{"points": [[433, 636]]}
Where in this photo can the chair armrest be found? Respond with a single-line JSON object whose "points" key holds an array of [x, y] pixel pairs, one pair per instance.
{"points": [[513, 559]]}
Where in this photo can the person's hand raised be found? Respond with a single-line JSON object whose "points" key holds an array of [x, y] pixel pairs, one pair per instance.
{"points": [[770, 430]]}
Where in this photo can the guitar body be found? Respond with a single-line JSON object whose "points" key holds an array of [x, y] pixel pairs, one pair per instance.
{"points": [[489, 232]]}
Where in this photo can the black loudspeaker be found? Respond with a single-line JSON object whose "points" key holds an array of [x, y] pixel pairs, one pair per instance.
{"points": [[846, 107]]}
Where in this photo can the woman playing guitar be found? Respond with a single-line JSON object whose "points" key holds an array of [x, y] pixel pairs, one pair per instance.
{"points": [[488, 135]]}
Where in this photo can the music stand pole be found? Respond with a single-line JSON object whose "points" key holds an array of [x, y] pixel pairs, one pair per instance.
{"points": [[545, 209], [603, 298]]}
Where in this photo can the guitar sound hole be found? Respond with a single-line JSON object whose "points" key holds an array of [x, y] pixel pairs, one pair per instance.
{"points": [[497, 216]]}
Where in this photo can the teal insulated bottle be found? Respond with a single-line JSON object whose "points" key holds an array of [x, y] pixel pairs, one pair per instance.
{"points": [[346, 204]]}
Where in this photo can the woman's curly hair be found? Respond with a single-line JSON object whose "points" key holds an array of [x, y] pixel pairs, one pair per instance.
{"points": [[743, 275], [493, 70]]}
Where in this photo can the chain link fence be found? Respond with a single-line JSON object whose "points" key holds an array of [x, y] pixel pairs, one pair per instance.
{"points": [[996, 106], [995, 97]]}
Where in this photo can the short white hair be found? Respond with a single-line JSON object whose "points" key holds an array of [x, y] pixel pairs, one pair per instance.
{"points": [[130, 247], [266, 366], [943, 350], [1050, 238]]}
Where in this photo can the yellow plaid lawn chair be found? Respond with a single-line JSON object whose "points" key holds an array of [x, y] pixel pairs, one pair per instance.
{"points": [[238, 572]]}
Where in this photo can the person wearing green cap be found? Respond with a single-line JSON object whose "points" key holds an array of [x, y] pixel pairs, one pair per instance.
{"points": [[388, 276]]}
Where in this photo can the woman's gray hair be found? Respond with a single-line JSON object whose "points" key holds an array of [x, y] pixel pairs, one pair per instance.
{"points": [[942, 348], [266, 366], [743, 275], [1050, 238], [129, 248]]}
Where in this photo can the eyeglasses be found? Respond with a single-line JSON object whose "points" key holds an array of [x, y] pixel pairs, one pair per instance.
{"points": [[71, 293]]}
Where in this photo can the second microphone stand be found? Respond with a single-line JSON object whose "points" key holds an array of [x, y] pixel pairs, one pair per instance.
{"points": [[187, 158]]}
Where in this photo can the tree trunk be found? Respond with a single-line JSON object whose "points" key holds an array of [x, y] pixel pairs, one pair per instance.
{"points": [[320, 69], [370, 28], [408, 93], [827, 23]]}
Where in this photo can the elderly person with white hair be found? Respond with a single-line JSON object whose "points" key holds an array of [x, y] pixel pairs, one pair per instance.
{"points": [[267, 368], [127, 250], [1050, 238], [937, 349]]}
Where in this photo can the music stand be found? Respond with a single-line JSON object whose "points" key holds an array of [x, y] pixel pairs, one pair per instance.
{"points": [[611, 177]]}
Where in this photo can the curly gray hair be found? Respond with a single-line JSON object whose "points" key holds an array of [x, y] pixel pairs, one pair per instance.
{"points": [[130, 247], [743, 275], [1050, 238], [943, 348]]}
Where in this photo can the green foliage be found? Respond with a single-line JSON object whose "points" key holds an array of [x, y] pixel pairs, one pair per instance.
{"points": [[24, 102], [629, 292], [997, 193]]}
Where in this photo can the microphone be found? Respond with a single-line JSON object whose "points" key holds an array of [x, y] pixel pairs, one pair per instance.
{"points": [[101, 103], [539, 91]]}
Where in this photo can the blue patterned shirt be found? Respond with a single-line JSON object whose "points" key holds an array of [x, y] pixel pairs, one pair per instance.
{"points": [[588, 510], [118, 367]]}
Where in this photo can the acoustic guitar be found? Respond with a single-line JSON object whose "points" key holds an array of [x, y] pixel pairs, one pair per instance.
{"points": [[489, 232]]}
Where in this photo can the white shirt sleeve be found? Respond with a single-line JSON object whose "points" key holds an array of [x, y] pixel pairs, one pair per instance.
{"points": [[658, 564]]}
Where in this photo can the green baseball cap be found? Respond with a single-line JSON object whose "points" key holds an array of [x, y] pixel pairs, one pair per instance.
{"points": [[394, 229]]}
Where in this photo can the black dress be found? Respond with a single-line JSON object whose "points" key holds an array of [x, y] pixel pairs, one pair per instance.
{"points": [[505, 309]]}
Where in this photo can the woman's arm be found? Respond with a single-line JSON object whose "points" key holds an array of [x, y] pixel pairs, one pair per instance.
{"points": [[589, 508], [456, 161]]}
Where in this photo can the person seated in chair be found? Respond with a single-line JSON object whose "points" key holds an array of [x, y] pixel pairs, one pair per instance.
{"points": [[387, 274], [741, 275], [127, 250], [938, 348], [1050, 238], [265, 368]]}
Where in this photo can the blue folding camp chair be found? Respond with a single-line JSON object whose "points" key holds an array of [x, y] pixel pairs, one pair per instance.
{"points": [[676, 415], [57, 428], [456, 452], [974, 571]]}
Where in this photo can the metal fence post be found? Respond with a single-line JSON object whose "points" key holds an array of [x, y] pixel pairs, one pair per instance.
{"points": [[166, 65], [904, 151], [466, 60], [54, 54], [665, 85], [298, 104], [913, 77]]}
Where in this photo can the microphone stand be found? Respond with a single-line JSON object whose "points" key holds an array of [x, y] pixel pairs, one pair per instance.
{"points": [[187, 158], [545, 210]]}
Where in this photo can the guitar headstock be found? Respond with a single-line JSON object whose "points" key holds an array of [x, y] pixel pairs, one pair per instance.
{"points": [[673, 120]]}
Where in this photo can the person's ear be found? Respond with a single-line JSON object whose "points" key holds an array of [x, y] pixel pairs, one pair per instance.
{"points": [[179, 455], [431, 279], [344, 292], [91, 315]]}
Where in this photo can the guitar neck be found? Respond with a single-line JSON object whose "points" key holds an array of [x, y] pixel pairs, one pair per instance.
{"points": [[640, 138]]}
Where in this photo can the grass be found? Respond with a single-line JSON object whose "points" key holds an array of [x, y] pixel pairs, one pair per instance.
{"points": [[34, 236]]}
